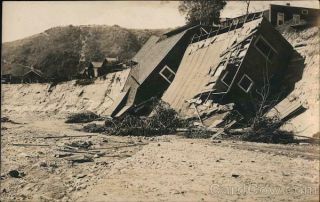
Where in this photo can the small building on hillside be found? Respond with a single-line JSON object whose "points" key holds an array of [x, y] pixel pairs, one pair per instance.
{"points": [[296, 17], [94, 68], [230, 65], [156, 65], [34, 76], [110, 65], [17, 73]]}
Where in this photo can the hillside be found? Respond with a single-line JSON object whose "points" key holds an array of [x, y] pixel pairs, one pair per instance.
{"points": [[57, 51]]}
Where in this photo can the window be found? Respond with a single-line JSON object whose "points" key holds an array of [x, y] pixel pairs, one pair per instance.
{"points": [[167, 73], [228, 77], [296, 19], [280, 18], [265, 48], [245, 83], [304, 11]]}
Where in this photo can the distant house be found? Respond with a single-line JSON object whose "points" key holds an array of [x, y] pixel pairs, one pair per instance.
{"points": [[109, 60], [295, 16], [230, 64], [33, 76], [156, 65], [17, 73], [110, 65], [95, 68]]}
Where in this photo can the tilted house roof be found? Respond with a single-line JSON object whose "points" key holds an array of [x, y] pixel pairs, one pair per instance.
{"points": [[152, 53], [200, 69]]}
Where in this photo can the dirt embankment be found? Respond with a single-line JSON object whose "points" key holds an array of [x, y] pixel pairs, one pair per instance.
{"points": [[63, 98], [306, 43]]}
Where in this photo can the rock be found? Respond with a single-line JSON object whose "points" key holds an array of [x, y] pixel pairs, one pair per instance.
{"points": [[14, 173], [285, 174], [43, 164], [159, 145], [81, 176], [216, 141], [235, 175]]}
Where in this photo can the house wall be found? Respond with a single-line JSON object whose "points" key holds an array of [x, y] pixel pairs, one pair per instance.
{"points": [[155, 85], [255, 65], [313, 16]]}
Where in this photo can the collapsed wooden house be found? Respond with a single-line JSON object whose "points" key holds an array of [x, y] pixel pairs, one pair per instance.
{"points": [[155, 67], [229, 65]]}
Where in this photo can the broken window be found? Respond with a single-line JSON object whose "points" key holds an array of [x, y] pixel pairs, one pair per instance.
{"points": [[167, 73], [245, 83], [280, 18], [304, 11], [265, 48], [296, 19]]}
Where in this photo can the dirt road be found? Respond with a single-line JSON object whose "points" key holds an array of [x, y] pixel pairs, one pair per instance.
{"points": [[167, 168]]}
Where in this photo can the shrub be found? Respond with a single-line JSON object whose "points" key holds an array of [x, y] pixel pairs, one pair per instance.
{"points": [[83, 117], [84, 82]]}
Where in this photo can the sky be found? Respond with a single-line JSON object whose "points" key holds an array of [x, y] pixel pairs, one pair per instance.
{"points": [[25, 18]]}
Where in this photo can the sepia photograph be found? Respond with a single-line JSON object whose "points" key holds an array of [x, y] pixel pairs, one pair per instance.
{"points": [[145, 101]]}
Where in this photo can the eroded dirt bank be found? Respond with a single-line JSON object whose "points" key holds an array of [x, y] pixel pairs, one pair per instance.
{"points": [[167, 168], [63, 98]]}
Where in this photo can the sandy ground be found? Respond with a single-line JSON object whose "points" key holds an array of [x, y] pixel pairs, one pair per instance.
{"points": [[166, 168]]}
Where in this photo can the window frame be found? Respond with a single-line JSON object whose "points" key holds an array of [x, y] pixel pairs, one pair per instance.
{"points": [[225, 75], [305, 11], [282, 15], [166, 67], [293, 18], [250, 86], [260, 51]]}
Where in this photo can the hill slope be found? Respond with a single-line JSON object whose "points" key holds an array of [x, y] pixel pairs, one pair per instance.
{"points": [[57, 51]]}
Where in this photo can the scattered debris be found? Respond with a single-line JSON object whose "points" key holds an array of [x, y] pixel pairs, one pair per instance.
{"points": [[83, 117], [94, 128], [64, 136], [80, 144], [80, 158], [6, 119], [163, 120], [31, 145]]}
